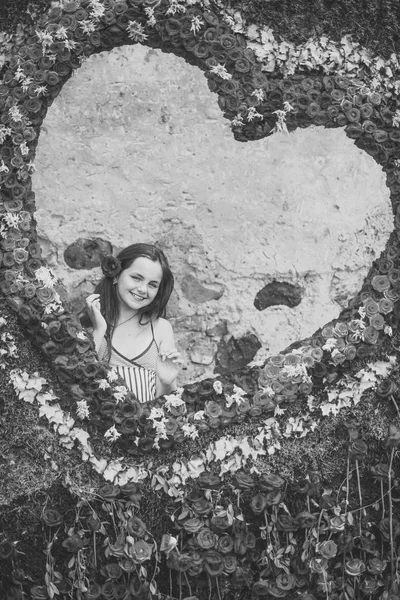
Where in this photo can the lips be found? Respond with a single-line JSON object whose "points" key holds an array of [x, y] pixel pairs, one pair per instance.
{"points": [[138, 298]]}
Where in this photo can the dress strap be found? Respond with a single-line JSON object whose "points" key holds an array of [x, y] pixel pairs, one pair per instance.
{"points": [[154, 339]]}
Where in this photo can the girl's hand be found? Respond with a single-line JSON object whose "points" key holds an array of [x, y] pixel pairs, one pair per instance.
{"points": [[167, 368], [93, 308]]}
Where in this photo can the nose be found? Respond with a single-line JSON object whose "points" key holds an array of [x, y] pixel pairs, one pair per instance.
{"points": [[142, 288]]}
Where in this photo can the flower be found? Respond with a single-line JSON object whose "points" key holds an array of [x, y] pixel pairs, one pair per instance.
{"points": [[52, 517], [354, 567], [337, 523], [358, 449], [193, 525], [285, 581], [141, 551], [111, 266], [109, 492], [258, 503], [328, 549], [217, 385], [225, 544], [112, 434], [73, 543], [230, 563], [260, 589], [113, 570], [136, 31], [6, 550], [206, 538], [376, 566], [93, 592], [271, 481], [244, 481], [82, 409], [39, 592], [380, 283], [135, 526]]}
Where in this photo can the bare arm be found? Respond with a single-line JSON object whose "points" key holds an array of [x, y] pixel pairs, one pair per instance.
{"points": [[168, 359]]}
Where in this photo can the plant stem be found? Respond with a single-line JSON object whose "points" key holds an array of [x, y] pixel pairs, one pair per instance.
{"points": [[396, 406], [392, 565], [359, 495]]}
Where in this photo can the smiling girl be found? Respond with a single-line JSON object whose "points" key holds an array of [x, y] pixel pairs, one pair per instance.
{"points": [[129, 330]]}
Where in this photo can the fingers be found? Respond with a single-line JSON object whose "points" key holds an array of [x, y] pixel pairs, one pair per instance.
{"points": [[93, 302], [172, 355]]}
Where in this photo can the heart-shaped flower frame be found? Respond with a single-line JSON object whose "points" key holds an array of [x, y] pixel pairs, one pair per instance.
{"points": [[261, 88]]}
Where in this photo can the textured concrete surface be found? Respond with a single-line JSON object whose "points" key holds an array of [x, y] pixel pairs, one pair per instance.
{"points": [[136, 149]]}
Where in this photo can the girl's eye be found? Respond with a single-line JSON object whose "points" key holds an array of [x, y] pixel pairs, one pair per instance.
{"points": [[135, 277], [154, 285]]}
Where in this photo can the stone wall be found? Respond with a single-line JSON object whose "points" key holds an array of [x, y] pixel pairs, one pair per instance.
{"points": [[267, 240]]}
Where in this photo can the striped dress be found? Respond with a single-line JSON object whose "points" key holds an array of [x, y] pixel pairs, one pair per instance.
{"points": [[139, 372]]}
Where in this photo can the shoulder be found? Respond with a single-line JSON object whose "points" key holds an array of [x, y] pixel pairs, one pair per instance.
{"points": [[163, 330]]}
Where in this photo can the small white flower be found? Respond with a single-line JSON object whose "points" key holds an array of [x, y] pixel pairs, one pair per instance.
{"points": [[173, 401], [151, 20], [3, 321], [69, 44], [156, 413], [4, 133], [254, 114], [217, 385], [190, 431], [136, 31], [81, 335], [62, 33], [197, 24], [221, 72], [388, 330], [11, 219], [112, 434], [82, 410], [103, 384], [112, 375], [41, 89], [26, 83], [24, 149], [199, 415], [15, 114], [45, 276], [259, 94], [175, 6], [120, 393], [45, 38], [87, 26], [237, 121]]}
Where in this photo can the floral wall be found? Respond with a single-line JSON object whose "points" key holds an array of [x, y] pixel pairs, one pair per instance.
{"points": [[267, 240]]}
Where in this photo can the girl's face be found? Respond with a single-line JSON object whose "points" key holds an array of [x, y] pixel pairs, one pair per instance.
{"points": [[138, 285]]}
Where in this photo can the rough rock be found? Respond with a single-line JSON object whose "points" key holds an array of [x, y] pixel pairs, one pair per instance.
{"points": [[86, 253], [196, 292], [277, 293], [236, 353], [202, 352]]}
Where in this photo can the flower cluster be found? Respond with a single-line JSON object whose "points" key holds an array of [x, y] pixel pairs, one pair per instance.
{"points": [[258, 102]]}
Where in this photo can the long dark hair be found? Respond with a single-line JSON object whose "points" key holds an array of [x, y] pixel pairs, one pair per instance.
{"points": [[108, 293]]}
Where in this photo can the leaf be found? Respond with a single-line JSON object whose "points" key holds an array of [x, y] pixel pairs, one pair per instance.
{"points": [[350, 519], [71, 562]]}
